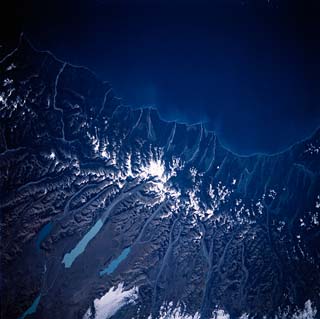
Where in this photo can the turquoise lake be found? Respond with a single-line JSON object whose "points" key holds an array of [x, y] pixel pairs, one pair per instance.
{"points": [[115, 263], [32, 309], [69, 258], [43, 233]]}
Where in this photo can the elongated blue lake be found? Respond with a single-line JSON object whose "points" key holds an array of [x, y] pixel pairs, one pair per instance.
{"points": [[115, 263], [69, 258], [32, 309], [43, 233]]}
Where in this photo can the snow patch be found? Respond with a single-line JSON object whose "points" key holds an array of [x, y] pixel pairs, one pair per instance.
{"points": [[312, 149], [318, 202], [308, 312], [52, 155], [111, 302], [156, 168], [220, 314], [167, 311]]}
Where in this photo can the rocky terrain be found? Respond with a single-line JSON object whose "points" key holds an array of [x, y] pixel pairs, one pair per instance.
{"points": [[109, 211]]}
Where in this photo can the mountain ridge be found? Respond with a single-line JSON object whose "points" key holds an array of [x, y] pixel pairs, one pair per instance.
{"points": [[206, 228]]}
